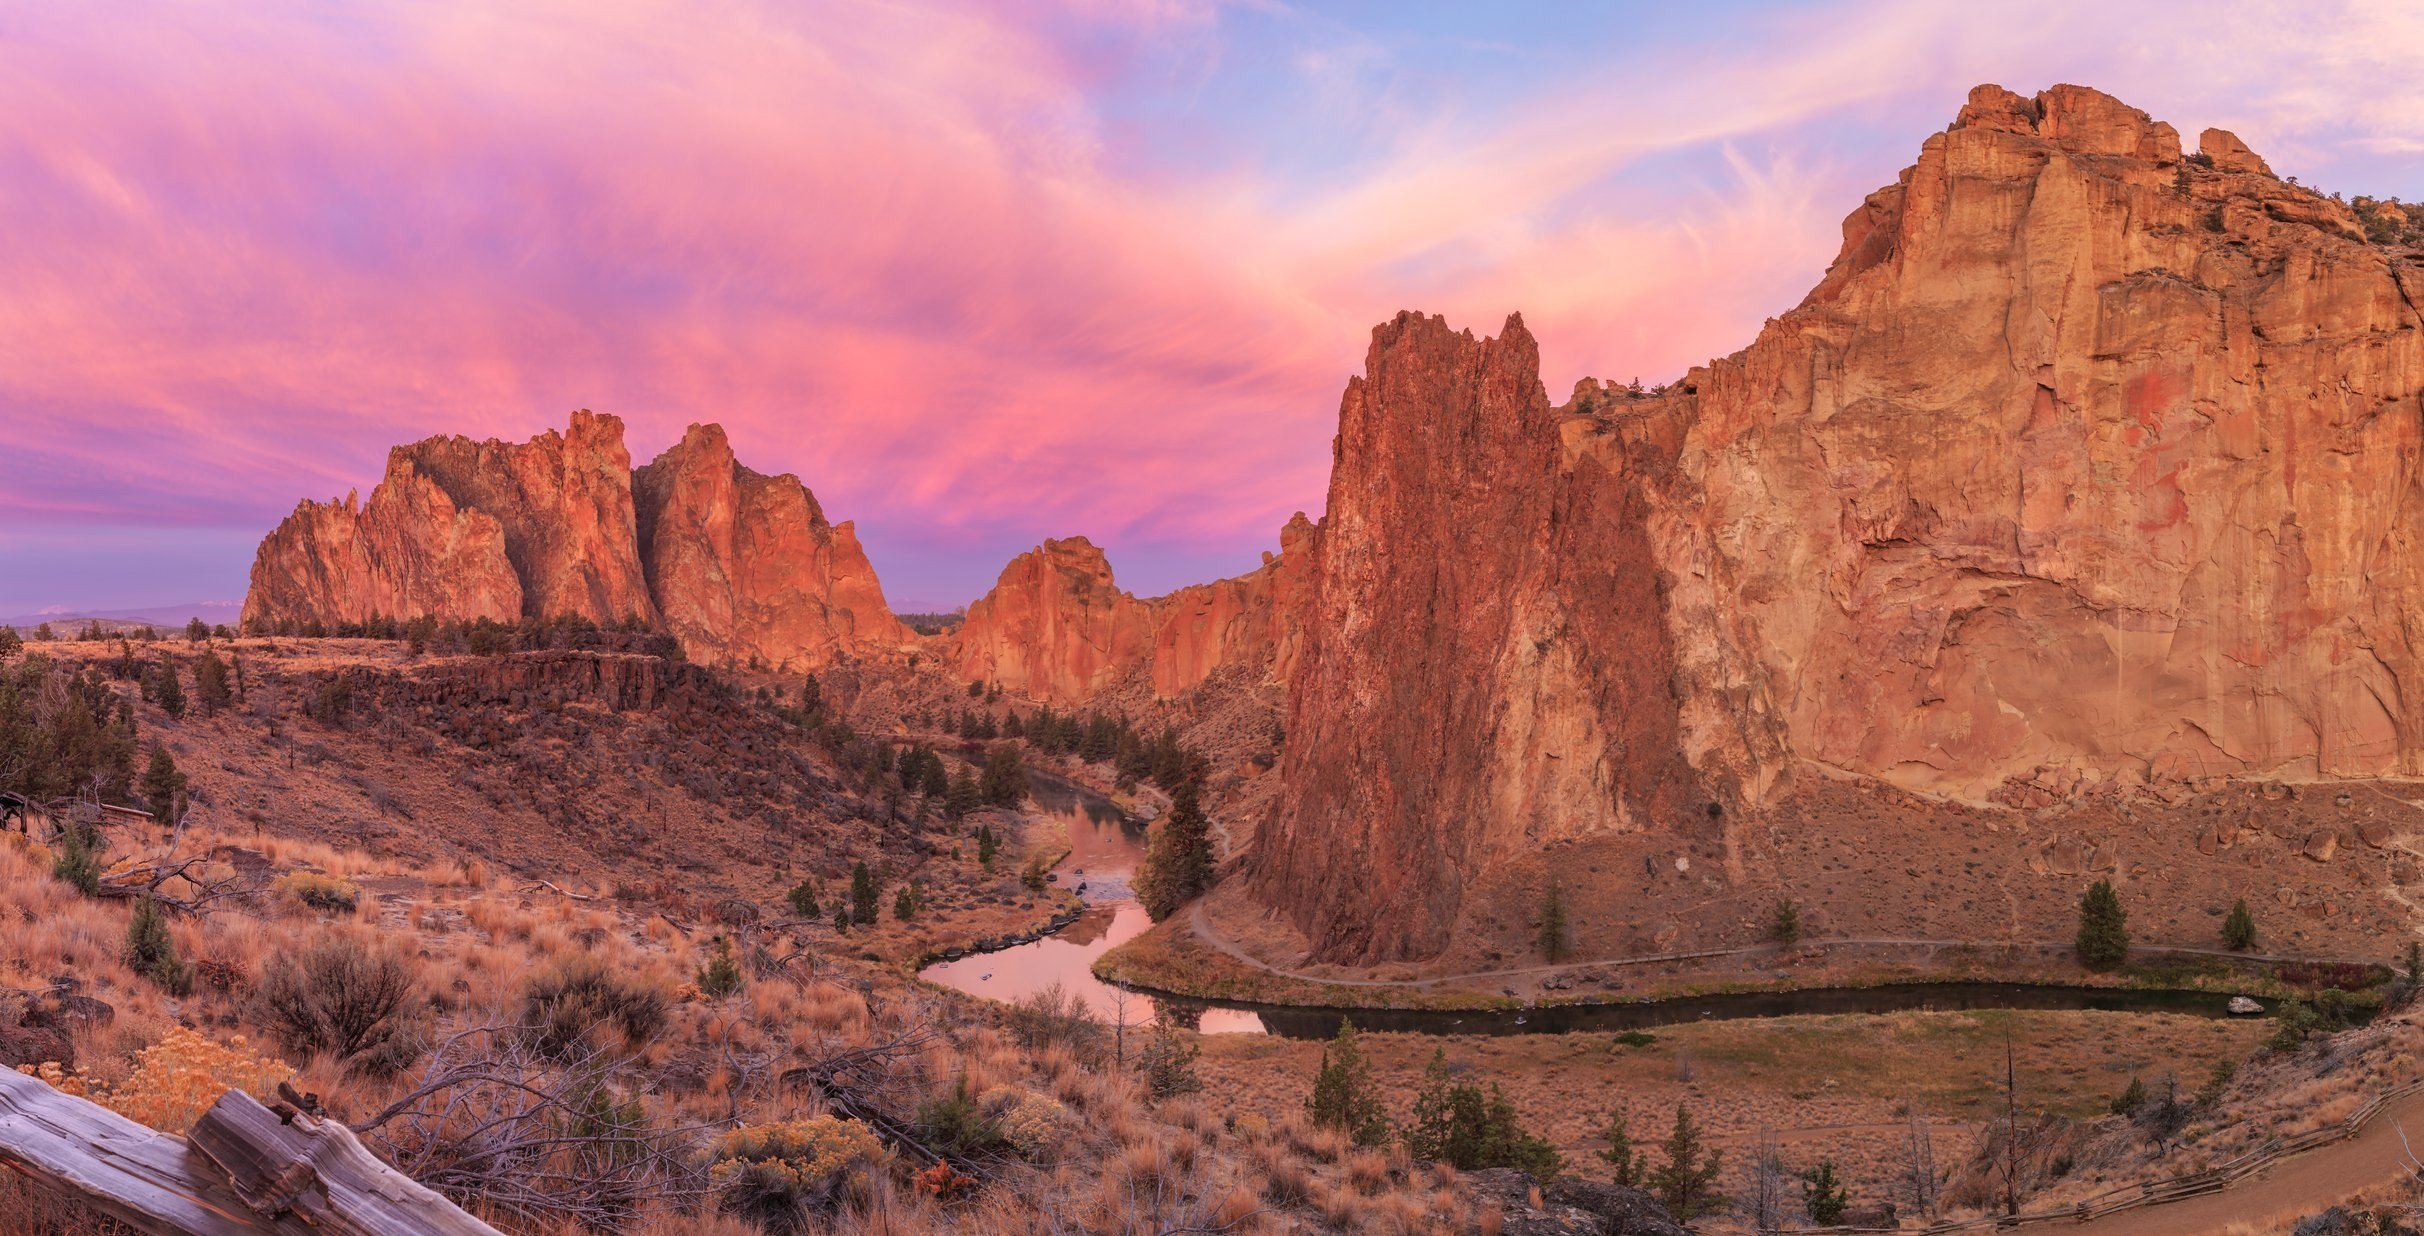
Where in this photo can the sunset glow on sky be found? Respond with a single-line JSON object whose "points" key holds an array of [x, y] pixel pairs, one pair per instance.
{"points": [[980, 274]]}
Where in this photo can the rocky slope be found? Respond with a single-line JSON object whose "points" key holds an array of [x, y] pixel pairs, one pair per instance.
{"points": [[1057, 627], [2087, 468], [741, 568]]}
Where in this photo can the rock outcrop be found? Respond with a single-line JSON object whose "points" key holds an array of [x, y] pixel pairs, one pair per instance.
{"points": [[2085, 463], [740, 568], [1057, 627], [745, 569]]}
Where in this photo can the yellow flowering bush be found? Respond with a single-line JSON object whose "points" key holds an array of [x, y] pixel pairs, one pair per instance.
{"points": [[175, 1080], [1253, 1126], [778, 1174], [1032, 1122], [320, 892]]}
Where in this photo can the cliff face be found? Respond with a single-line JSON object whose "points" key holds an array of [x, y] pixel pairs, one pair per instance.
{"points": [[744, 568], [1057, 627], [738, 567], [2083, 465]]}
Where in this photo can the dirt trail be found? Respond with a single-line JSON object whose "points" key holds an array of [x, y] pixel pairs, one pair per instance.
{"points": [[1205, 931], [2288, 1189]]}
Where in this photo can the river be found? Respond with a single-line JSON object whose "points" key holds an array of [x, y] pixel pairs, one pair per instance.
{"points": [[1105, 849]]}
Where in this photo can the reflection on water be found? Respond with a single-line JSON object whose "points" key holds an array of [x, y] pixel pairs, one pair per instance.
{"points": [[1105, 848]]}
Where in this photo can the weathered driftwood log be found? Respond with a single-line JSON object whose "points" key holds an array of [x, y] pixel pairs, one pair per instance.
{"points": [[245, 1171]]}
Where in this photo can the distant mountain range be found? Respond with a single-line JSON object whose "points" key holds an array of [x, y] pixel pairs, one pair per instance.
{"points": [[212, 612]]}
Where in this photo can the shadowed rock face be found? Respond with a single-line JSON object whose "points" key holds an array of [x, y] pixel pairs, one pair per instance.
{"points": [[2081, 467], [739, 567], [744, 567]]}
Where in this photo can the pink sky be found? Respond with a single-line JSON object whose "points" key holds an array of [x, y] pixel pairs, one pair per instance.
{"points": [[980, 274]]}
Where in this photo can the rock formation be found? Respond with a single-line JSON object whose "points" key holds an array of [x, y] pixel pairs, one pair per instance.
{"points": [[1057, 627], [2085, 464], [740, 568], [744, 567]]}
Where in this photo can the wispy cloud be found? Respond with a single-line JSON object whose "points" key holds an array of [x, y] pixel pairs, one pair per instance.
{"points": [[978, 273]]}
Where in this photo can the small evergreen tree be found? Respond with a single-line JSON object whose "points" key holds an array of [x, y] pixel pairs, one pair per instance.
{"points": [[196, 631], [1687, 1183], [162, 783], [721, 976], [170, 689], [1178, 860], [1785, 926], [963, 796], [803, 900], [863, 892], [1823, 1196], [841, 919], [1458, 1124], [2415, 961], [1629, 1167], [152, 953], [2103, 933], [1343, 1094], [11, 643], [210, 684], [79, 859], [2239, 930], [1005, 779], [2131, 1098], [43, 633], [1554, 936], [1168, 1061], [986, 846], [904, 903], [812, 698]]}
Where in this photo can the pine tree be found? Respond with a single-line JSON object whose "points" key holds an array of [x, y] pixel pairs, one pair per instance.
{"points": [[1687, 1184], [986, 846], [170, 689], [1458, 1124], [1554, 936], [721, 976], [210, 684], [43, 633], [2239, 930], [1005, 779], [803, 900], [2103, 935], [162, 783], [904, 904], [1823, 1196], [1630, 1167], [962, 797], [1178, 861], [862, 894], [812, 698], [1343, 1095], [151, 952], [1168, 1061], [934, 779]]}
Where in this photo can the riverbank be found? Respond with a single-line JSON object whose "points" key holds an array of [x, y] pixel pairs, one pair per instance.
{"points": [[1196, 955]]}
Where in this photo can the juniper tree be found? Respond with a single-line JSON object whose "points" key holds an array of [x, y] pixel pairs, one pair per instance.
{"points": [[2239, 930], [1343, 1094], [1627, 1166], [862, 894], [2103, 941], [1178, 861], [1554, 941], [1457, 1123], [1687, 1183], [803, 900], [170, 690], [162, 783]]}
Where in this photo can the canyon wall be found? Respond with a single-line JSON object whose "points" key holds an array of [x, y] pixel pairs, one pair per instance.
{"points": [[2086, 465], [740, 568], [1056, 626]]}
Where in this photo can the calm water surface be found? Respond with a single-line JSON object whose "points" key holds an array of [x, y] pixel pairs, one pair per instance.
{"points": [[1105, 849]]}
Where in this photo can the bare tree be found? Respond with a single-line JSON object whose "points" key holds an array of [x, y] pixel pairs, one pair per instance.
{"points": [[1919, 1173], [1121, 999], [1768, 1199]]}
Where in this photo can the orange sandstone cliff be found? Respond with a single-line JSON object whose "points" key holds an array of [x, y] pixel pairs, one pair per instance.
{"points": [[1056, 626], [2087, 465], [740, 568]]}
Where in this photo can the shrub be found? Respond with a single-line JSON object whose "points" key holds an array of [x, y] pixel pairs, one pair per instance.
{"points": [[1033, 1124], [1055, 1016], [803, 900], [955, 1123], [1784, 927], [2217, 1082], [2131, 1098], [150, 951], [565, 1006], [321, 892], [721, 976], [782, 1176], [176, 1079], [337, 998], [2239, 930], [1822, 1195], [79, 859]]}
